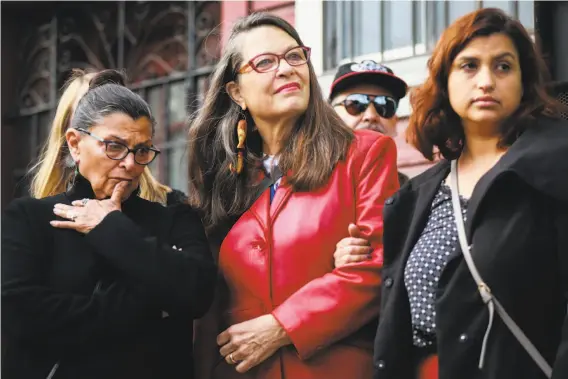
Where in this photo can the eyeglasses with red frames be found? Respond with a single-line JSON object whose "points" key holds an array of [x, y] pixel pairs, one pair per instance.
{"points": [[266, 62]]}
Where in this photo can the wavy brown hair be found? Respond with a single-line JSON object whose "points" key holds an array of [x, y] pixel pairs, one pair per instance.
{"points": [[311, 150], [434, 124]]}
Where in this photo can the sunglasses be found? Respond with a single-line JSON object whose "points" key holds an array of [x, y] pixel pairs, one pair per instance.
{"points": [[357, 103]]}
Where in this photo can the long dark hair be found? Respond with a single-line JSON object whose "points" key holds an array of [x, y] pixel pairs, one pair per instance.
{"points": [[317, 142], [433, 122]]}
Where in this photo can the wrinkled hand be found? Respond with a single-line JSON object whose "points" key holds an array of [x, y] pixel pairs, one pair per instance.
{"points": [[352, 249], [252, 342], [85, 215]]}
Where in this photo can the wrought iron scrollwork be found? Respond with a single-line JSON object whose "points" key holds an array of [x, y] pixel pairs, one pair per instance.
{"points": [[150, 39], [208, 42], [87, 37], [156, 39], [36, 80]]}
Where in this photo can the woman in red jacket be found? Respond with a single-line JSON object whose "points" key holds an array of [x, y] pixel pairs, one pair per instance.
{"points": [[285, 310]]}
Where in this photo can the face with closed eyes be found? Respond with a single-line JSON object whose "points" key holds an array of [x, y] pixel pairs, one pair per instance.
{"points": [[485, 82]]}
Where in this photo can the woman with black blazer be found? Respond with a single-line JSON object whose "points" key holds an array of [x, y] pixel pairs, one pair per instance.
{"points": [[484, 108], [96, 281]]}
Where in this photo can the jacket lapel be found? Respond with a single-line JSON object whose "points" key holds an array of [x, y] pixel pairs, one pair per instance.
{"points": [[261, 207], [481, 189], [281, 196], [424, 194], [537, 158]]}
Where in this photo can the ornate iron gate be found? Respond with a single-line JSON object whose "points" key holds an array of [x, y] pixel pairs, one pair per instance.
{"points": [[167, 48]]}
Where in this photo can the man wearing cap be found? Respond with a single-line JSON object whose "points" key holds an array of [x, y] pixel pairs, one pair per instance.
{"points": [[356, 86]]}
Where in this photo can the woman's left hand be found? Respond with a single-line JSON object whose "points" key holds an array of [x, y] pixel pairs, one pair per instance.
{"points": [[252, 342], [86, 214]]}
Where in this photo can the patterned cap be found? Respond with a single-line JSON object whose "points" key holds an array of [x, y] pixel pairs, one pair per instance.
{"points": [[368, 71]]}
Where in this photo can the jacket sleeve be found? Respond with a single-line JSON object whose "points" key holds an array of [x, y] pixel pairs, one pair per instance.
{"points": [[334, 306], [177, 272], [560, 368], [33, 312]]}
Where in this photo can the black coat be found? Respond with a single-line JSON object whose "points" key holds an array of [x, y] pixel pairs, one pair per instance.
{"points": [[517, 221], [117, 302]]}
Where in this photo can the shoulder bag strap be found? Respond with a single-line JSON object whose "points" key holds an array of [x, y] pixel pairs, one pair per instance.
{"points": [[483, 288]]}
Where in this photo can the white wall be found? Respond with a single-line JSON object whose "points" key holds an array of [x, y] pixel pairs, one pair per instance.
{"points": [[309, 24]]}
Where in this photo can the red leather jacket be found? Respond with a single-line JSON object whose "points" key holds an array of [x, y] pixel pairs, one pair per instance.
{"points": [[278, 258]]}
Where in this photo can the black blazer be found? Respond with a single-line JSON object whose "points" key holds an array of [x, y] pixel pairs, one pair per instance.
{"points": [[117, 302], [517, 220]]}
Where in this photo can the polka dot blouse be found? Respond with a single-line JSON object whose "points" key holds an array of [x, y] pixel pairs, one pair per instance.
{"points": [[427, 259]]}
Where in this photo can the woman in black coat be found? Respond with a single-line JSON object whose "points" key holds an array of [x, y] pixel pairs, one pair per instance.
{"points": [[96, 281], [484, 107]]}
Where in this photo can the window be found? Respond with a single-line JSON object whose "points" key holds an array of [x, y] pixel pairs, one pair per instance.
{"points": [[167, 63], [391, 30]]}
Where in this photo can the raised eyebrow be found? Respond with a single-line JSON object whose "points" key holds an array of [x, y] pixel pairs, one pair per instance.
{"points": [[468, 58], [505, 55], [284, 51], [147, 143]]}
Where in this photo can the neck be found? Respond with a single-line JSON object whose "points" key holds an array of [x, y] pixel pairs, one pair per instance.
{"points": [[273, 134], [481, 144]]}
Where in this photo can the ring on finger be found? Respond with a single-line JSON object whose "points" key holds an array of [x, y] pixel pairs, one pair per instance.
{"points": [[232, 359], [84, 201], [72, 216]]}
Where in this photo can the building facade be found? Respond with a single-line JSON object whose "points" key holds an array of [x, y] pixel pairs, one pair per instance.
{"points": [[400, 34], [169, 49]]}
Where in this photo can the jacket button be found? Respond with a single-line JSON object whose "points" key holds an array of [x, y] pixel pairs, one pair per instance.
{"points": [[381, 365], [389, 201], [388, 282], [463, 338]]}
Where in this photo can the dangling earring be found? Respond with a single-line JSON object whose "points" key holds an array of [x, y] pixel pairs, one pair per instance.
{"points": [[74, 175], [241, 137]]}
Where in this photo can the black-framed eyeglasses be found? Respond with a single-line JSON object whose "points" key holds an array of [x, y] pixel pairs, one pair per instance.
{"points": [[266, 62], [357, 103], [143, 155]]}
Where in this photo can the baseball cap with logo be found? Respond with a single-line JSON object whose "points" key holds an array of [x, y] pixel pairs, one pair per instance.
{"points": [[367, 71]]}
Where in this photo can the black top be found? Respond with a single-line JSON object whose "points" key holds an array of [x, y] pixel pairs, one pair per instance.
{"points": [[517, 223], [175, 197], [402, 178], [117, 302], [428, 258]]}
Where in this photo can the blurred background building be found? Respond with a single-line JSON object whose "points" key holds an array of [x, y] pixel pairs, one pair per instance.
{"points": [[169, 49]]}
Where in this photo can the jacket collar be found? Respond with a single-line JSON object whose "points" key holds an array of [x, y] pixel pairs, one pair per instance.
{"points": [[539, 157]]}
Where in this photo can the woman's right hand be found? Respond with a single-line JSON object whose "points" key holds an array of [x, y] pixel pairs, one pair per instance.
{"points": [[352, 249]]}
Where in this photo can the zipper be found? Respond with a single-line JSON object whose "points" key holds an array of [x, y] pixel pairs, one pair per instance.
{"points": [[53, 371]]}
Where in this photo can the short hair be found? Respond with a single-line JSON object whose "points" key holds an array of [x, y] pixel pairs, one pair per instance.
{"points": [[434, 123]]}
